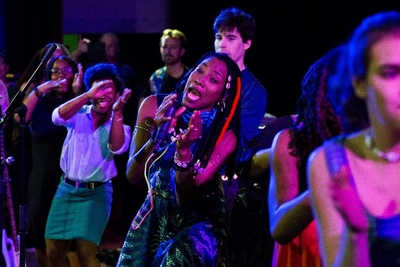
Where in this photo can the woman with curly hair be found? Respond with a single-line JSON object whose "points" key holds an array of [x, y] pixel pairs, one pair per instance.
{"points": [[291, 221]]}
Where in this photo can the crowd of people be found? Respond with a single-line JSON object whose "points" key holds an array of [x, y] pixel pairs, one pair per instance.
{"points": [[322, 180]]}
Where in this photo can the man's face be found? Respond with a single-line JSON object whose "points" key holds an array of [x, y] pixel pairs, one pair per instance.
{"points": [[171, 51], [231, 43]]}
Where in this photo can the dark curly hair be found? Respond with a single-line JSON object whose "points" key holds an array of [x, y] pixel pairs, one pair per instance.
{"points": [[316, 120], [102, 71], [227, 111]]}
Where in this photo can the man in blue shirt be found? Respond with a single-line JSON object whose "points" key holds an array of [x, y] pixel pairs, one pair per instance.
{"points": [[234, 31]]}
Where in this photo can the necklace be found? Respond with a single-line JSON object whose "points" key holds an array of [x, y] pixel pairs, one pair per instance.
{"points": [[391, 156]]}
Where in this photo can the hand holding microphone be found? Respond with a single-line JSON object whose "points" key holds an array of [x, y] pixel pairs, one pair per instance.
{"points": [[165, 126]]}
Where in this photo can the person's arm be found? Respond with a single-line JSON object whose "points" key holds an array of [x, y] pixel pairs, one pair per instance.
{"points": [[118, 139], [142, 146], [82, 47], [289, 212], [260, 163], [33, 98], [71, 107], [186, 181], [340, 244], [77, 85]]}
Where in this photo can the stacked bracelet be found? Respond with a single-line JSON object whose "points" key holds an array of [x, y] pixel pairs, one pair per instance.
{"points": [[37, 93], [180, 165]]}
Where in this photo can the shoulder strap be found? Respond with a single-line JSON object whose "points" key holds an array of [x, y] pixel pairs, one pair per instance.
{"points": [[335, 154]]}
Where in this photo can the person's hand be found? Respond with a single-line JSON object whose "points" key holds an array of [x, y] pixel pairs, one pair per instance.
{"points": [[121, 101], [347, 201], [77, 87], [192, 133], [159, 117], [99, 88], [50, 85], [82, 45]]}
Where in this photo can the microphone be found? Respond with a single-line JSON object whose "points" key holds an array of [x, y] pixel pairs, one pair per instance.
{"points": [[162, 131], [49, 53]]}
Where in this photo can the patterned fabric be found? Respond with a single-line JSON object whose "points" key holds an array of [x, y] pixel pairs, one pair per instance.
{"points": [[161, 82], [171, 235], [156, 80]]}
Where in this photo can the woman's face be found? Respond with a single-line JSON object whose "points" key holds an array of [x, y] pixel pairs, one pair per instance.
{"points": [[381, 87], [205, 85], [62, 70]]}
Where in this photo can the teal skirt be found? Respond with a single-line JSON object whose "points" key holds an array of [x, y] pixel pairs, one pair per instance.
{"points": [[79, 213]]}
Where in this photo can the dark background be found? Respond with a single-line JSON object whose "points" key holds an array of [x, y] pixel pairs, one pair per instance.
{"points": [[290, 36]]}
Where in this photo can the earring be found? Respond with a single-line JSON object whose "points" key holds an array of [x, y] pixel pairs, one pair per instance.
{"points": [[228, 84]]}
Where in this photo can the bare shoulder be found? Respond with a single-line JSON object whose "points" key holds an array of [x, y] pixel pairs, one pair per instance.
{"points": [[317, 168], [282, 137], [148, 108], [280, 145]]}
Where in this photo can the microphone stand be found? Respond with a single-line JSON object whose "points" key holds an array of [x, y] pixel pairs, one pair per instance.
{"points": [[17, 106], [2, 162]]}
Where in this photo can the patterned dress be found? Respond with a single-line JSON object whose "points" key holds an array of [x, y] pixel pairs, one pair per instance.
{"points": [[169, 235]]}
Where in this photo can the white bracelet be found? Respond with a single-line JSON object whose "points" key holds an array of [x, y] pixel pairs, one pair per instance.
{"points": [[182, 165]]}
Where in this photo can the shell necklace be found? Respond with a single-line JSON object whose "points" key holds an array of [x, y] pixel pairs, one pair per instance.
{"points": [[390, 156]]}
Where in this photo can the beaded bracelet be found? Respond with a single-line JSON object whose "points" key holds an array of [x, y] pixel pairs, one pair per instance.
{"points": [[182, 166]]}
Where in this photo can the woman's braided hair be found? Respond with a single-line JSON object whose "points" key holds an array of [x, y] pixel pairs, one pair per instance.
{"points": [[227, 110]]}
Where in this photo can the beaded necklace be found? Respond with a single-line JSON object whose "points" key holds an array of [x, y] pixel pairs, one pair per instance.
{"points": [[390, 156]]}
